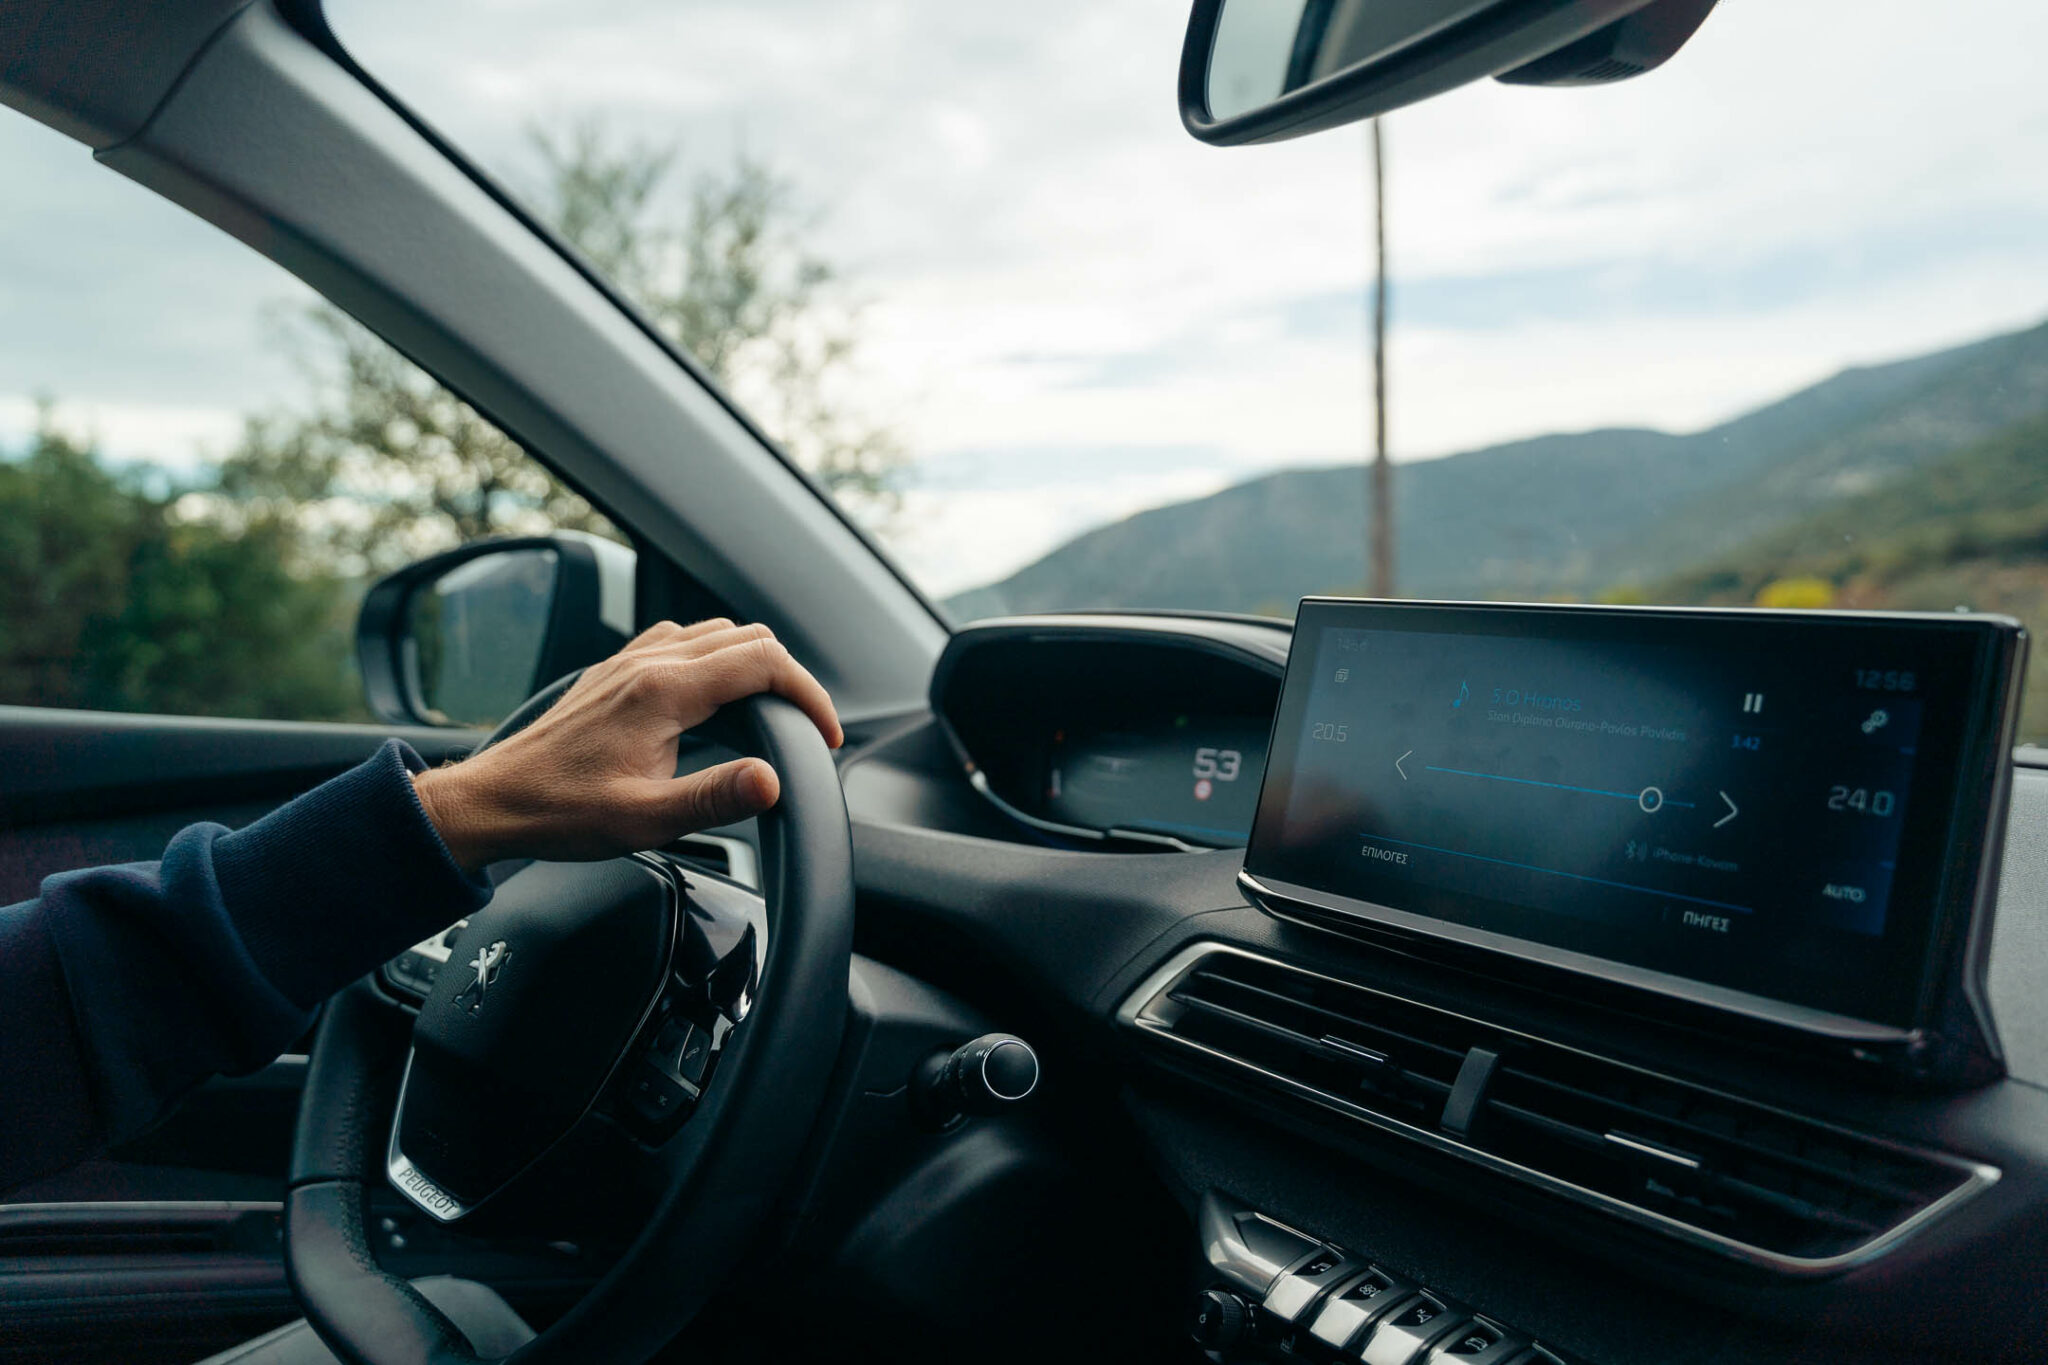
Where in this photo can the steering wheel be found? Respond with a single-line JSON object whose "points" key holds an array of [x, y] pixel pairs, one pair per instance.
{"points": [[583, 972]]}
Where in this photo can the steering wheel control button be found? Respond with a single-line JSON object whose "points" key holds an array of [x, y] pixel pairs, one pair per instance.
{"points": [[656, 1096], [693, 1059], [1305, 1283], [985, 1076], [1480, 1342], [1405, 1335], [415, 970], [1353, 1307]]}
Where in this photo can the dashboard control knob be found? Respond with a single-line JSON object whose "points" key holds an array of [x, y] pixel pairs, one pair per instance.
{"points": [[1222, 1320], [985, 1076]]}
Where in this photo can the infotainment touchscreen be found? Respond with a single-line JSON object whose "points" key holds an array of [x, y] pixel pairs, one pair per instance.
{"points": [[1771, 812]]}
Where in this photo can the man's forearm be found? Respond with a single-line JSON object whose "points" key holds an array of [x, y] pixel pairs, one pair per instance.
{"points": [[125, 986]]}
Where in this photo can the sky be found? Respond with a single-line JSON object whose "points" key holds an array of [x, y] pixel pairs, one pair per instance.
{"points": [[1072, 310]]}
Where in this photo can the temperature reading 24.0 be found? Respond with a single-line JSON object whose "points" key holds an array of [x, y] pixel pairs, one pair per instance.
{"points": [[1862, 800]]}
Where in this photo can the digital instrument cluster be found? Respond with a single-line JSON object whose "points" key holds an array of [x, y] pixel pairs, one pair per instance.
{"points": [[1193, 777], [1772, 812], [1123, 733]]}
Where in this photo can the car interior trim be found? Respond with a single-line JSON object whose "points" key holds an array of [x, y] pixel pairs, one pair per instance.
{"points": [[1137, 1013], [1324, 910]]}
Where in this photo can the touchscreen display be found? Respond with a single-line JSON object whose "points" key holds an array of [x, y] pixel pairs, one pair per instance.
{"points": [[1756, 802]]}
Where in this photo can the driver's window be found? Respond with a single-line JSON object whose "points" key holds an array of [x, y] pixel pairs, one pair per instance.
{"points": [[203, 465]]}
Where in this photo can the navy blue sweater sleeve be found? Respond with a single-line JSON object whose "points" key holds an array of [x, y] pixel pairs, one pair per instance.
{"points": [[123, 987]]}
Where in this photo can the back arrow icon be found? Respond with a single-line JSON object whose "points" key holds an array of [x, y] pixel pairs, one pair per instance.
{"points": [[1732, 812], [1401, 770]]}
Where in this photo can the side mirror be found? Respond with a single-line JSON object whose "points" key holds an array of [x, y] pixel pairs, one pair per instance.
{"points": [[1265, 70], [464, 637]]}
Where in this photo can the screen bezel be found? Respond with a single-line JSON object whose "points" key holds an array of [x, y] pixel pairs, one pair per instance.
{"points": [[1954, 819]]}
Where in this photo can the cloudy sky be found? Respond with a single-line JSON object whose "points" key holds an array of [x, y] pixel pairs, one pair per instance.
{"points": [[1074, 310]]}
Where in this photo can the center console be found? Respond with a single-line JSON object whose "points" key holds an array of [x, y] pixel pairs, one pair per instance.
{"points": [[1633, 906]]}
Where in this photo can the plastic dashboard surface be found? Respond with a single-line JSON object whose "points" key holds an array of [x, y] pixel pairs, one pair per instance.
{"points": [[954, 890]]}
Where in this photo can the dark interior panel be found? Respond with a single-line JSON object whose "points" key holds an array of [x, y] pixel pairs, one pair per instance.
{"points": [[166, 1248]]}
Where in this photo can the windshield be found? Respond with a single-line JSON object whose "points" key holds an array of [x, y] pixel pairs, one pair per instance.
{"points": [[1760, 327]]}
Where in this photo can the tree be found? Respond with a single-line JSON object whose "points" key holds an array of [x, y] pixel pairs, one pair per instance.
{"points": [[735, 284], [388, 465], [235, 594], [124, 603]]}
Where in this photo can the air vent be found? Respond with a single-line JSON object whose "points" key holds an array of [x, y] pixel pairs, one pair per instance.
{"points": [[1798, 1196]]}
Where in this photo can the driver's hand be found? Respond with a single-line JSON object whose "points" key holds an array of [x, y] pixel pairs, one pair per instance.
{"points": [[595, 776]]}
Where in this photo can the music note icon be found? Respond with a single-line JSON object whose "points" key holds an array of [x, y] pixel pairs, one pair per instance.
{"points": [[1459, 700]]}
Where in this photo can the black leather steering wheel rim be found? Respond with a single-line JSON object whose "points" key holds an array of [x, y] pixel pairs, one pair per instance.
{"points": [[745, 1135]]}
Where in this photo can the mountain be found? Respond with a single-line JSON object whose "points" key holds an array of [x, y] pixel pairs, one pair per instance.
{"points": [[1967, 529], [1985, 505], [1579, 515]]}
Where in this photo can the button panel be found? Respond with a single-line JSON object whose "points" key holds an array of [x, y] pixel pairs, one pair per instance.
{"points": [[1406, 1333], [1331, 1304], [1306, 1281], [1247, 1248], [1354, 1306], [665, 1074], [1481, 1341], [414, 971]]}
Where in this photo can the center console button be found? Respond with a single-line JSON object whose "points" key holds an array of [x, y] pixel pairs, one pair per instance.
{"points": [[1405, 1334], [1354, 1306], [1306, 1281], [1222, 1320], [1246, 1247], [1480, 1342]]}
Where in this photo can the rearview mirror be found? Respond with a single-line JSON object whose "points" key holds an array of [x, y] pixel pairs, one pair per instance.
{"points": [[1264, 70], [465, 637]]}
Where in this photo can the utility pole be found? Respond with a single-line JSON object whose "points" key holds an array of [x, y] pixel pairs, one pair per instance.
{"points": [[1380, 488]]}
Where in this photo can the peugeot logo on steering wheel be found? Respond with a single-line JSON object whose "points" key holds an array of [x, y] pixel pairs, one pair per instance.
{"points": [[487, 963]]}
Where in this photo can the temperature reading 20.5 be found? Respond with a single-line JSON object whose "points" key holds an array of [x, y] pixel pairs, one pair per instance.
{"points": [[1222, 765], [1862, 800]]}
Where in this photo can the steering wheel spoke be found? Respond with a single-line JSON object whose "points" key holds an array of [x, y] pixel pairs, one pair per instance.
{"points": [[511, 1050], [721, 947]]}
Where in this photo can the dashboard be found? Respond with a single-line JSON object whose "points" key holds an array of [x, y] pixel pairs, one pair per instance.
{"points": [[1522, 1080]]}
